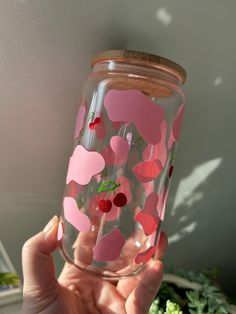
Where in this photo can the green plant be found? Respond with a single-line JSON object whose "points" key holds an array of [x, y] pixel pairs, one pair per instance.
{"points": [[196, 303], [191, 292], [9, 279], [155, 307], [171, 308]]}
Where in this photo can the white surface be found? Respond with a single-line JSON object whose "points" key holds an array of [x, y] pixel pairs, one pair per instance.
{"points": [[10, 297], [14, 308], [45, 48], [11, 301]]}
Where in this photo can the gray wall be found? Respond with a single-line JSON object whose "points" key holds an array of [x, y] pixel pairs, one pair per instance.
{"points": [[45, 48]]}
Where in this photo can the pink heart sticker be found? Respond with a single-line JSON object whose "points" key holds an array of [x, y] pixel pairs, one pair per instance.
{"points": [[159, 150], [148, 217], [148, 170], [84, 165], [74, 216], [145, 256], [109, 246], [148, 222], [116, 153], [120, 147], [151, 204], [133, 106]]}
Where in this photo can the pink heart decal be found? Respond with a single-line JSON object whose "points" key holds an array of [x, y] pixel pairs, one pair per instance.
{"points": [[117, 152], [151, 204], [120, 147], [145, 256], [109, 246], [84, 165], [148, 222], [175, 131], [159, 150], [79, 121], [133, 106], [148, 217], [148, 170], [74, 216]]}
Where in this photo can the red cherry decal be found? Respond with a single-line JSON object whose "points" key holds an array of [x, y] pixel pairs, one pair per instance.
{"points": [[105, 205], [120, 200], [91, 125], [170, 170], [97, 120], [94, 123]]}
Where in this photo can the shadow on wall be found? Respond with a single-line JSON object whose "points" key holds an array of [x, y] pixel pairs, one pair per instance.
{"points": [[200, 236], [188, 194]]}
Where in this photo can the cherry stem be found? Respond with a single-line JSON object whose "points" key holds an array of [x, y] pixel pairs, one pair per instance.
{"points": [[108, 194]]}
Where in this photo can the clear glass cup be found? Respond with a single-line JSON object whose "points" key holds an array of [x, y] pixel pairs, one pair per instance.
{"points": [[125, 140]]}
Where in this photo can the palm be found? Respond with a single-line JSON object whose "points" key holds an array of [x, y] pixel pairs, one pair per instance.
{"points": [[83, 293]]}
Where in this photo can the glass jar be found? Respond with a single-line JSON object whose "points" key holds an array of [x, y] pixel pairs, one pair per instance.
{"points": [[125, 140]]}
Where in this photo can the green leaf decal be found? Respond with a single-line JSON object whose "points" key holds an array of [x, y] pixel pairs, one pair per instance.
{"points": [[91, 115], [108, 186]]}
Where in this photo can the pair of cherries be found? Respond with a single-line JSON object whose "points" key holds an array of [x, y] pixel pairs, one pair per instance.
{"points": [[94, 123], [119, 200]]}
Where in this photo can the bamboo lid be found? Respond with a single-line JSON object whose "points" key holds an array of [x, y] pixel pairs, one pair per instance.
{"points": [[142, 59]]}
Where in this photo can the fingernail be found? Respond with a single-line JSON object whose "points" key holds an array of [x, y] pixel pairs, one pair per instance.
{"points": [[50, 225]]}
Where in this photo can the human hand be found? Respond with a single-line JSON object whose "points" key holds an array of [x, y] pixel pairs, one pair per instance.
{"points": [[77, 292]]}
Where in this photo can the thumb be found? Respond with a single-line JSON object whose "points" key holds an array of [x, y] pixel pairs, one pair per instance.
{"points": [[38, 266]]}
